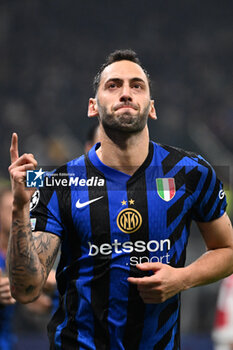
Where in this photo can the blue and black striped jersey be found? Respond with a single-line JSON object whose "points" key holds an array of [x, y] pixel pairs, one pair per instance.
{"points": [[109, 222]]}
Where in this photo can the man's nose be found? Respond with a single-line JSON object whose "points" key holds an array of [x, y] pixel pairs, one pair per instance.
{"points": [[125, 94]]}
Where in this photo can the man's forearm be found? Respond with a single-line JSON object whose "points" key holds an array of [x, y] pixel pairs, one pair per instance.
{"points": [[26, 273], [210, 267]]}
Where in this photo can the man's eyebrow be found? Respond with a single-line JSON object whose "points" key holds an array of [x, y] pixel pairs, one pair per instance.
{"points": [[115, 80], [118, 80], [138, 79]]}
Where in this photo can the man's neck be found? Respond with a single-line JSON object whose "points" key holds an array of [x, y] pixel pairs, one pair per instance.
{"points": [[125, 153]]}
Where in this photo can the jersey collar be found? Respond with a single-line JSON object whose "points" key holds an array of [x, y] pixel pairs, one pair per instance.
{"points": [[114, 174]]}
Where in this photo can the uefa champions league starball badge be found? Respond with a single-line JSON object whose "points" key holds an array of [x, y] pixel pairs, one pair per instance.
{"points": [[34, 200]]}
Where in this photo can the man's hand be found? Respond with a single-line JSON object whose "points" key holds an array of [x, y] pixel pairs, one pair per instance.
{"points": [[17, 170], [165, 282], [5, 294]]}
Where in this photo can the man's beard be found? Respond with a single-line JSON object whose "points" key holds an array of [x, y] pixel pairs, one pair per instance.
{"points": [[125, 122]]}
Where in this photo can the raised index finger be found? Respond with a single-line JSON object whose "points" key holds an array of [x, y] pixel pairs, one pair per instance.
{"points": [[14, 153]]}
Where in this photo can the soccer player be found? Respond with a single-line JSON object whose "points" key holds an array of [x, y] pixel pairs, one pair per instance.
{"points": [[122, 215]]}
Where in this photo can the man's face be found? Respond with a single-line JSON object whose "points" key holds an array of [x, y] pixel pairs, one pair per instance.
{"points": [[123, 98]]}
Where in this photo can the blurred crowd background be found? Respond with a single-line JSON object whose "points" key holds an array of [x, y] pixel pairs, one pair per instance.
{"points": [[50, 52]]}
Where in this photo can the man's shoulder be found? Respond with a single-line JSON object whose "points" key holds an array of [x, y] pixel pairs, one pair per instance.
{"points": [[177, 150], [173, 154], [74, 164], [79, 161]]}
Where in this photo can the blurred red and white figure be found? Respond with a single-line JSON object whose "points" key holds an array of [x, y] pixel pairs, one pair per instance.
{"points": [[223, 327]]}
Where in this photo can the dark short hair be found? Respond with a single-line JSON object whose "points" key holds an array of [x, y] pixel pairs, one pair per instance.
{"points": [[118, 55]]}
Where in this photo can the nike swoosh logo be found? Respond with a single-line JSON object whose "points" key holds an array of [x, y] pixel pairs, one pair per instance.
{"points": [[81, 205]]}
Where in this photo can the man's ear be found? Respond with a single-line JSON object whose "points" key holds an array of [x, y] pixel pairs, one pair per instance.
{"points": [[92, 108], [152, 112]]}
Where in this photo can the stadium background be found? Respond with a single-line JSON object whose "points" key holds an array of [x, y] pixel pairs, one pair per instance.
{"points": [[50, 51]]}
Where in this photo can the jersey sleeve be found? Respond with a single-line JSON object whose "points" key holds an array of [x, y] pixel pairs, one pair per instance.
{"points": [[45, 213], [211, 199]]}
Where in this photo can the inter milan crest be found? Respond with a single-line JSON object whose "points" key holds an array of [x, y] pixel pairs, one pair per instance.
{"points": [[166, 188], [129, 220]]}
